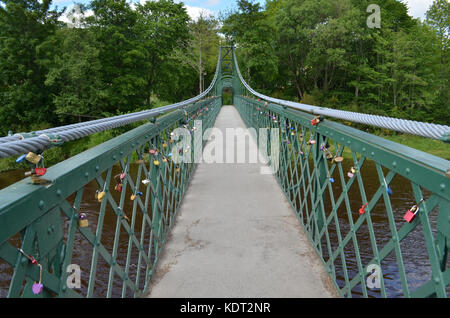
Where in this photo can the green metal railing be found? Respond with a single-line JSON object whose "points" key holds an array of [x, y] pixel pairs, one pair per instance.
{"points": [[40, 225], [311, 154]]}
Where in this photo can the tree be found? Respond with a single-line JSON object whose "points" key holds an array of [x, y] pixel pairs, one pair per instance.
{"points": [[161, 27], [251, 31], [75, 74], [25, 102]]}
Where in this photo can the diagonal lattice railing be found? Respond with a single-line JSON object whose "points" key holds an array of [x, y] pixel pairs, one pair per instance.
{"points": [[41, 233], [353, 225]]}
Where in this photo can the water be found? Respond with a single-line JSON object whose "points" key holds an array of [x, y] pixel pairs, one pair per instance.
{"points": [[413, 248]]}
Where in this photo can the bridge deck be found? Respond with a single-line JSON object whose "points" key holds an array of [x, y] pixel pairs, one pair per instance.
{"points": [[237, 236]]}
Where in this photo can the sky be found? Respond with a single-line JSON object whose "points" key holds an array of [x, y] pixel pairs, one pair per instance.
{"points": [[417, 8]]}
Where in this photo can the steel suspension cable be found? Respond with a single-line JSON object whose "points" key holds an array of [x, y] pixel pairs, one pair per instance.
{"points": [[412, 127], [16, 145]]}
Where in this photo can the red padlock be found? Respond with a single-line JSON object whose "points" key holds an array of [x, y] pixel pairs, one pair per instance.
{"points": [[119, 187], [363, 209], [315, 120], [40, 171], [411, 214]]}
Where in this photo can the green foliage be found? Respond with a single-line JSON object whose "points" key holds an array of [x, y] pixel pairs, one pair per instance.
{"points": [[322, 52], [24, 26]]}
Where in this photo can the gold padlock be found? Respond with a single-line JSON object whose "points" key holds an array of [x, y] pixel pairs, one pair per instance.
{"points": [[337, 159], [36, 180], [33, 158], [100, 196], [83, 221]]}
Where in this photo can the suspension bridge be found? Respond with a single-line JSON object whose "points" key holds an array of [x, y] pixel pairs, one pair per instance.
{"points": [[329, 221]]}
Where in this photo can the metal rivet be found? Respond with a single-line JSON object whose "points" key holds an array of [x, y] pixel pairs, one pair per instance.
{"points": [[41, 204], [58, 192], [373, 153], [86, 174], [24, 260], [64, 288], [114, 157], [408, 170], [97, 168], [442, 187], [394, 164]]}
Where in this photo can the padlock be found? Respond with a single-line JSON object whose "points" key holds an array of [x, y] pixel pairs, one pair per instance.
{"points": [[21, 158], [100, 196], [33, 158], [83, 221], [411, 214], [362, 210], [145, 182], [123, 175], [118, 187], [153, 152], [337, 159], [133, 197], [156, 163], [37, 180], [40, 171], [316, 120], [38, 287]]}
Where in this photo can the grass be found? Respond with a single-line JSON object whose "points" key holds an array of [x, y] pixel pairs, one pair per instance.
{"points": [[435, 147]]}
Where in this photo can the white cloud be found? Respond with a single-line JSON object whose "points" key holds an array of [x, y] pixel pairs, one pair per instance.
{"points": [[194, 12], [69, 16], [418, 8]]}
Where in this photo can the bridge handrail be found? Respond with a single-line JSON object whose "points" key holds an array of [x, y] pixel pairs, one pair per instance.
{"points": [[40, 140], [412, 127]]}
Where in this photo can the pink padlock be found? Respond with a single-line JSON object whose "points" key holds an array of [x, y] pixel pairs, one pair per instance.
{"points": [[411, 214]]}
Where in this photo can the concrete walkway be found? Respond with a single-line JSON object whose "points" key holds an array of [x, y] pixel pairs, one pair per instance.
{"points": [[236, 236]]}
